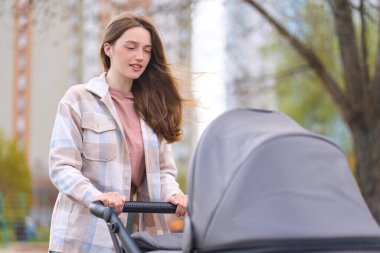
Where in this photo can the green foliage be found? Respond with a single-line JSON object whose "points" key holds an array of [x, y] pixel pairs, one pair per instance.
{"points": [[299, 91], [15, 187], [372, 35], [16, 178], [181, 179]]}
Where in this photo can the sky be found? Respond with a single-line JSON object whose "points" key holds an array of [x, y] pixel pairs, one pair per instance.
{"points": [[208, 42]]}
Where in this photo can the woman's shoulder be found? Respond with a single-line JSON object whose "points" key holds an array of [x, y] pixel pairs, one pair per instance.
{"points": [[74, 92], [77, 88], [85, 91]]}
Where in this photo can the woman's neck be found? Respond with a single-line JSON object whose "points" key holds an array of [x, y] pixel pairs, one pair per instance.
{"points": [[118, 82]]}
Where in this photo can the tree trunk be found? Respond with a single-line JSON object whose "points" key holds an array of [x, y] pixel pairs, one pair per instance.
{"points": [[366, 140]]}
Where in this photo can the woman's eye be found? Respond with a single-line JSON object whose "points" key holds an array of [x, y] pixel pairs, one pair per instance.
{"points": [[131, 48]]}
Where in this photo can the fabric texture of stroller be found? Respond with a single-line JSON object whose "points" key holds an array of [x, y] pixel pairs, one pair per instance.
{"points": [[259, 182]]}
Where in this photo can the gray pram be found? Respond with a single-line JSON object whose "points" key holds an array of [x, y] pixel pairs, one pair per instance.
{"points": [[258, 182]]}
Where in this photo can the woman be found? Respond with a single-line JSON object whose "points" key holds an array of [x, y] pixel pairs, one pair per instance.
{"points": [[111, 138]]}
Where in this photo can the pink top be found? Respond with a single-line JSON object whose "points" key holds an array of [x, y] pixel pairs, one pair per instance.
{"points": [[124, 103]]}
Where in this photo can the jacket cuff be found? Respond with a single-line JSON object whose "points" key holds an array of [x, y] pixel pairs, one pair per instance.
{"points": [[90, 196], [170, 193]]}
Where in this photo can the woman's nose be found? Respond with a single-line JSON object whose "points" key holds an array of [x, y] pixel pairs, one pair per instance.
{"points": [[140, 54]]}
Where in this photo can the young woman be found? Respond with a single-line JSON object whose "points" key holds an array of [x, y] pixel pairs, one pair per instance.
{"points": [[111, 138]]}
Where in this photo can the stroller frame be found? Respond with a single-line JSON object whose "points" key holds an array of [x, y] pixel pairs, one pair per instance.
{"points": [[117, 230], [116, 227]]}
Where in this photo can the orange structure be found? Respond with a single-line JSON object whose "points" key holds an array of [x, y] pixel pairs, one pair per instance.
{"points": [[22, 71]]}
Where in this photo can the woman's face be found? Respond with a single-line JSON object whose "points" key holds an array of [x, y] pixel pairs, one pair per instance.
{"points": [[130, 54]]}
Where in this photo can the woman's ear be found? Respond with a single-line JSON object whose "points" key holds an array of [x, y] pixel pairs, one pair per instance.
{"points": [[107, 49]]}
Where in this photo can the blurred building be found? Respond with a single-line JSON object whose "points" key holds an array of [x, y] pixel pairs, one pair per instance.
{"points": [[228, 66], [47, 46]]}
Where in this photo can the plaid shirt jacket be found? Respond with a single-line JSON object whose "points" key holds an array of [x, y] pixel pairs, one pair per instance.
{"points": [[88, 156]]}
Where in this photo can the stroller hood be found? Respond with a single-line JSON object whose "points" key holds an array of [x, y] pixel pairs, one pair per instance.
{"points": [[258, 175]]}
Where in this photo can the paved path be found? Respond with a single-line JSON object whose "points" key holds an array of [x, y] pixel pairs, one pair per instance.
{"points": [[25, 247]]}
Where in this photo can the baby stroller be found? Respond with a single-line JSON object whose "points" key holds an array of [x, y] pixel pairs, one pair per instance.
{"points": [[258, 182]]}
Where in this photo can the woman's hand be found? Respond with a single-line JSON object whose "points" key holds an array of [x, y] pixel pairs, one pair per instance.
{"points": [[181, 201], [113, 199]]}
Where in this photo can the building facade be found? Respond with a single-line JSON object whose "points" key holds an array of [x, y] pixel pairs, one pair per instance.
{"points": [[47, 46]]}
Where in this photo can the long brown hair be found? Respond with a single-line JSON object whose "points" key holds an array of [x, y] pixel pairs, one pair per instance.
{"points": [[156, 94]]}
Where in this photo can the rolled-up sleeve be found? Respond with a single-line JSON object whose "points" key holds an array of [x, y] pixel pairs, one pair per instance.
{"points": [[65, 161]]}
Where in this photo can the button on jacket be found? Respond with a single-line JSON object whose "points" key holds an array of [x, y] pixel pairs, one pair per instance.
{"points": [[88, 156]]}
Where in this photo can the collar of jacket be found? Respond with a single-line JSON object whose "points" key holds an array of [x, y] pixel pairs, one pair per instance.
{"points": [[98, 85]]}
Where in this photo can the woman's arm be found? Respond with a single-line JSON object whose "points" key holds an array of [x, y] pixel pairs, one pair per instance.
{"points": [[65, 161], [168, 172], [169, 187]]}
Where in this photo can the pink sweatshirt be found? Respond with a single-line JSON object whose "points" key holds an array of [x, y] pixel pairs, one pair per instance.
{"points": [[124, 103]]}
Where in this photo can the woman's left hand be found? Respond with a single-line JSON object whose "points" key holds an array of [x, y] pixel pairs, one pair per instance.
{"points": [[113, 199], [180, 200]]}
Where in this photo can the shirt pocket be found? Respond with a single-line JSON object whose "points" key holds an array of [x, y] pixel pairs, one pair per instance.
{"points": [[99, 137]]}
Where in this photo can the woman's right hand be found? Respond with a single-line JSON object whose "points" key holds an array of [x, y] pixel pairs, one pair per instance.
{"points": [[113, 199], [180, 200]]}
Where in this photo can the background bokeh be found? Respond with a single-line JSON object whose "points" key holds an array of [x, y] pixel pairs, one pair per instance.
{"points": [[226, 54]]}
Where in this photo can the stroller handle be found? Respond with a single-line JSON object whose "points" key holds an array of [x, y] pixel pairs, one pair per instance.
{"points": [[98, 209], [148, 207]]}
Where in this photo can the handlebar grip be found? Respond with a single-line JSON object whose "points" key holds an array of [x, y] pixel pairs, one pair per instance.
{"points": [[148, 207], [97, 208]]}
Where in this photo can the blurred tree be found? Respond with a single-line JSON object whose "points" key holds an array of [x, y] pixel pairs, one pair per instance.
{"points": [[15, 176], [299, 93], [354, 85]]}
